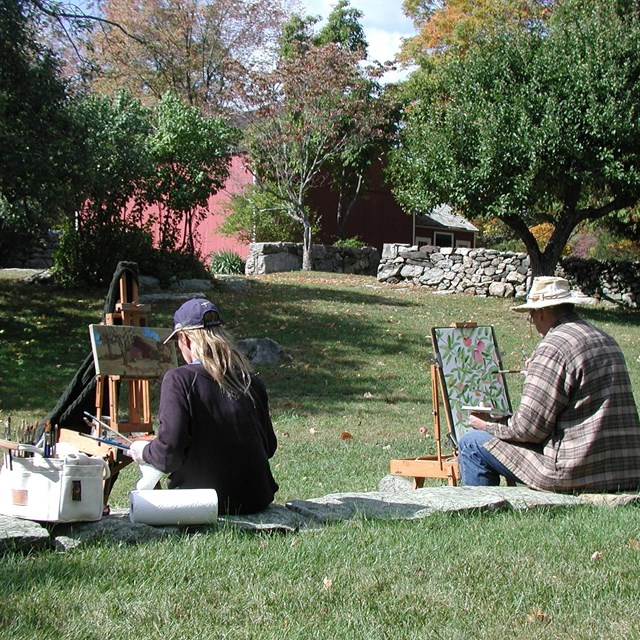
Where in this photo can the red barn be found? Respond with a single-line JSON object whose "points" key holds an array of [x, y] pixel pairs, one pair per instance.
{"points": [[376, 218]]}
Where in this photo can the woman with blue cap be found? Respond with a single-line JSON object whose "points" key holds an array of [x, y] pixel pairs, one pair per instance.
{"points": [[214, 429]]}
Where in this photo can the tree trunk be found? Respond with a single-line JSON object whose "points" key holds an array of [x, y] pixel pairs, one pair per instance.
{"points": [[306, 246], [343, 212], [543, 263]]}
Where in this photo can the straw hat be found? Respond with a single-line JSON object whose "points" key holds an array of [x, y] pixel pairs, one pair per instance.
{"points": [[549, 291]]}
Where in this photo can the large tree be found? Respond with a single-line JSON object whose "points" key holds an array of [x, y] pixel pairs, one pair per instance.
{"points": [[532, 126], [169, 156], [190, 155], [40, 144], [347, 170], [314, 107], [200, 50]]}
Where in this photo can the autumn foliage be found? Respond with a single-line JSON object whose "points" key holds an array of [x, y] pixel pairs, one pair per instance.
{"points": [[454, 25]]}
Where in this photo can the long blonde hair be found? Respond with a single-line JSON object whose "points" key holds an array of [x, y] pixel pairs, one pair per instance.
{"points": [[220, 357]]}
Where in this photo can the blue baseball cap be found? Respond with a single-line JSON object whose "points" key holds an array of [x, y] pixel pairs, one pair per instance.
{"points": [[196, 313]]}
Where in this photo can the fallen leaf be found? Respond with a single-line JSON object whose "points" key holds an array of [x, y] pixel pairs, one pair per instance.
{"points": [[327, 583], [634, 544], [596, 555], [345, 435], [536, 615]]}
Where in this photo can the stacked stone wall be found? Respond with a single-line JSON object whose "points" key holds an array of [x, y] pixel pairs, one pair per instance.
{"points": [[39, 256], [487, 272], [274, 257]]}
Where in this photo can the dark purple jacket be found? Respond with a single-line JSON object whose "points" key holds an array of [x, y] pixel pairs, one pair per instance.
{"points": [[207, 439]]}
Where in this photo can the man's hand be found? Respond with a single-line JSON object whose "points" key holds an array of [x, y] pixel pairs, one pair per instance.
{"points": [[477, 423]]}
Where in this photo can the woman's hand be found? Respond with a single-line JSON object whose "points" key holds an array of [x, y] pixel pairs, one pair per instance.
{"points": [[136, 448]]}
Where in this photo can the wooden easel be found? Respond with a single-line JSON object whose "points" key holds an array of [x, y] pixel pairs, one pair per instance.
{"points": [[127, 312], [442, 465], [474, 352]]}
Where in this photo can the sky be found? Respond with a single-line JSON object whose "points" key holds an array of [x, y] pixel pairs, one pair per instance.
{"points": [[383, 22]]}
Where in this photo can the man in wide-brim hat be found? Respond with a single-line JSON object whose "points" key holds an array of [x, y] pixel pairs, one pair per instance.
{"points": [[576, 427]]}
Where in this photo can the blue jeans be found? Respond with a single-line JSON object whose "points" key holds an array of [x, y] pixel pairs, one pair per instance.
{"points": [[478, 467]]}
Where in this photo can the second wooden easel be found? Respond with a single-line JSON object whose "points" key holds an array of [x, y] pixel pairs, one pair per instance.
{"points": [[442, 465]]}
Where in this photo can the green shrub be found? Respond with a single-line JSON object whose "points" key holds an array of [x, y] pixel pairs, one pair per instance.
{"points": [[354, 243], [256, 216], [90, 255], [21, 229], [169, 266], [227, 262]]}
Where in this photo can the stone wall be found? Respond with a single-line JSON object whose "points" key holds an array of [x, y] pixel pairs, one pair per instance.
{"points": [[37, 257], [273, 257], [486, 272]]}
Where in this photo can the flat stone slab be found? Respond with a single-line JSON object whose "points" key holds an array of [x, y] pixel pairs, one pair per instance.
{"points": [[395, 501], [611, 499], [407, 505], [22, 535], [522, 497], [275, 517], [115, 527], [414, 504]]}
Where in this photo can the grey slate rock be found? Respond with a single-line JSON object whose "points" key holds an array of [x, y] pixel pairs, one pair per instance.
{"points": [[395, 500], [263, 351], [408, 505], [22, 535], [525, 498], [611, 499], [115, 527], [395, 484], [275, 517], [235, 283], [192, 284]]}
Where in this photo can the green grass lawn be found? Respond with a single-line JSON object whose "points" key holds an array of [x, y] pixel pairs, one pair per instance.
{"points": [[360, 364]]}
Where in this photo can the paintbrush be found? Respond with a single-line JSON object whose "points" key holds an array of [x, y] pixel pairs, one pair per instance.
{"points": [[108, 428]]}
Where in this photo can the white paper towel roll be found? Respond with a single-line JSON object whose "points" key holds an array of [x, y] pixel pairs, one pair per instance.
{"points": [[174, 506]]}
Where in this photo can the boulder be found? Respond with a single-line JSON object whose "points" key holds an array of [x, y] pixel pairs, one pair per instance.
{"points": [[263, 351]]}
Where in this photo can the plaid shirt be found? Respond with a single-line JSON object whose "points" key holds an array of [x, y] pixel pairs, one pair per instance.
{"points": [[576, 427]]}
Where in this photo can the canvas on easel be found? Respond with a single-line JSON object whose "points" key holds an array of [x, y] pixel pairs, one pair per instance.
{"points": [[131, 352], [466, 372], [471, 374]]}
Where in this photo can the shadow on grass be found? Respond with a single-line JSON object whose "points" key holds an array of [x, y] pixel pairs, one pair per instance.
{"points": [[614, 315], [349, 338]]}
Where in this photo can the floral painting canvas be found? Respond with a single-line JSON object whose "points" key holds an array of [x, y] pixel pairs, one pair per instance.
{"points": [[470, 367], [131, 352]]}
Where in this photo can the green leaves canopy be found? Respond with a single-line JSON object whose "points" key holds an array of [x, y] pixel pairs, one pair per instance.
{"points": [[531, 126]]}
